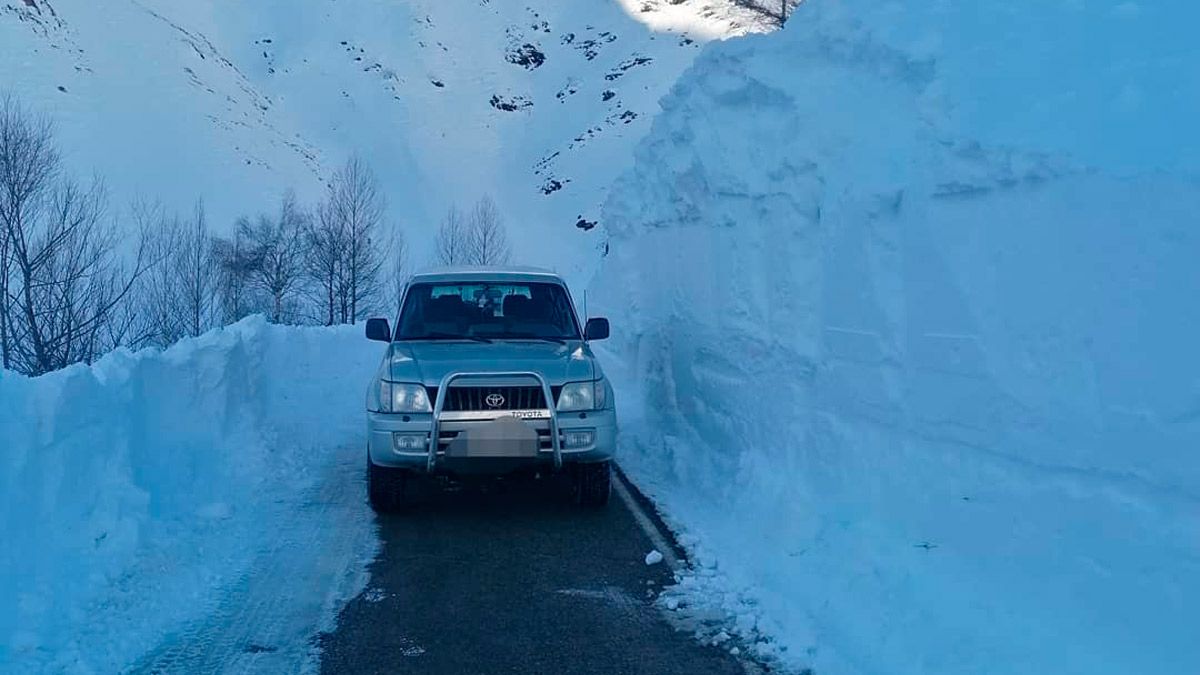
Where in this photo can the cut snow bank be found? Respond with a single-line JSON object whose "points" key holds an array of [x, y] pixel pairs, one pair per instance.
{"points": [[906, 337], [135, 492]]}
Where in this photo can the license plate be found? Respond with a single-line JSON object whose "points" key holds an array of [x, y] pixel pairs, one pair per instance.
{"points": [[530, 414]]}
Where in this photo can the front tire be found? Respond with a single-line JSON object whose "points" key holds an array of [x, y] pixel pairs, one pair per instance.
{"points": [[385, 487], [593, 484]]}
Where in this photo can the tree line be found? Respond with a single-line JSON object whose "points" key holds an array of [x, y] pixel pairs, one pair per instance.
{"points": [[78, 280]]}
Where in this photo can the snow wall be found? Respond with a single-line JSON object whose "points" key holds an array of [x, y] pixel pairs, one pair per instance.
{"points": [[906, 302], [133, 488]]}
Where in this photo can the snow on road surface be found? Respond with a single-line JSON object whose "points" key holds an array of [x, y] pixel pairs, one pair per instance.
{"points": [[263, 617], [195, 509], [905, 326]]}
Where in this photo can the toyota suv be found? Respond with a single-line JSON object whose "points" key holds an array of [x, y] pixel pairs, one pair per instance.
{"points": [[488, 371]]}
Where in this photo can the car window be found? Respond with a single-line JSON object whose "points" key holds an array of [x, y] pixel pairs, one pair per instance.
{"points": [[487, 310]]}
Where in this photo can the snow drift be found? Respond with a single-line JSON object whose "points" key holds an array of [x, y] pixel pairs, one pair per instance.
{"points": [[137, 489], [905, 299]]}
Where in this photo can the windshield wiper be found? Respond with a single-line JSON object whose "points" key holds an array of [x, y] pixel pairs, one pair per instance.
{"points": [[451, 336], [542, 338]]}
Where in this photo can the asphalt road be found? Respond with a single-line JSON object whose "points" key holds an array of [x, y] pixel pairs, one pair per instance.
{"points": [[517, 580]]}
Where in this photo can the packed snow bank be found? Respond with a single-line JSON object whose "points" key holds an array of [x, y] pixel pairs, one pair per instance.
{"points": [[138, 489], [906, 331]]}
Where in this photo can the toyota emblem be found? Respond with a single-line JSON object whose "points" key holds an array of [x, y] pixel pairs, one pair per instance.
{"points": [[494, 400]]}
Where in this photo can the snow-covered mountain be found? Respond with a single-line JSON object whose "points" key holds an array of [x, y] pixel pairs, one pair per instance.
{"points": [[537, 103]]}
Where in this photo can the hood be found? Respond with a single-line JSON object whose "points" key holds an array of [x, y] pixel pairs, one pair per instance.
{"points": [[429, 362]]}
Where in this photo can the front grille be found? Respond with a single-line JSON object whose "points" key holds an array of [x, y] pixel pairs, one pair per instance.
{"points": [[486, 398]]}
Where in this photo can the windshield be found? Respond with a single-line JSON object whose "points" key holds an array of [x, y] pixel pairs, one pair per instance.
{"points": [[495, 311]]}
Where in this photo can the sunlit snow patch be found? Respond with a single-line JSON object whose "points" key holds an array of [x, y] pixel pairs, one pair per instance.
{"points": [[703, 20]]}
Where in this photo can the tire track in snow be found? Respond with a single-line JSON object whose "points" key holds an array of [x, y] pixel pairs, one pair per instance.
{"points": [[266, 619]]}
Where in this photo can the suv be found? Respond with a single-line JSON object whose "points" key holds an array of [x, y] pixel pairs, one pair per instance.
{"points": [[488, 372]]}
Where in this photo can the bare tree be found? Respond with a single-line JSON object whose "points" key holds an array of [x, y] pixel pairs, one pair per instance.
{"points": [[28, 166], [68, 280], [235, 263], [487, 238], [197, 273], [453, 243], [277, 249], [158, 296], [62, 277], [179, 296], [323, 262], [354, 208]]}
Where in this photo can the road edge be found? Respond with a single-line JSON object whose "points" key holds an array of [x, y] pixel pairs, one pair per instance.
{"points": [[652, 525], [645, 512]]}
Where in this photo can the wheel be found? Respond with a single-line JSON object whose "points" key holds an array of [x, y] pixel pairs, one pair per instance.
{"points": [[593, 484], [385, 487]]}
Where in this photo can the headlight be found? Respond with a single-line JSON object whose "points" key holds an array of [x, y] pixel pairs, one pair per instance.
{"points": [[582, 396], [397, 397]]}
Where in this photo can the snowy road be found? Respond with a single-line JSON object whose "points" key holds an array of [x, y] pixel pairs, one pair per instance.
{"points": [[519, 581], [263, 619]]}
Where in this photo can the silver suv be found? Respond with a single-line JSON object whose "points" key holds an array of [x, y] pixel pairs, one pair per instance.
{"points": [[488, 372]]}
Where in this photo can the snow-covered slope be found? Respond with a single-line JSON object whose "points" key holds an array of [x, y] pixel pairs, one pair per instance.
{"points": [[537, 102], [156, 494], [905, 297]]}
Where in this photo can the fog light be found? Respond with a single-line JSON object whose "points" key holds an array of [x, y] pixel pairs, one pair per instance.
{"points": [[408, 442], [579, 438]]}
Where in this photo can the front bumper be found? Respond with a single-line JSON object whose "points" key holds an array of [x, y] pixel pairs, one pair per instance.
{"points": [[383, 428]]}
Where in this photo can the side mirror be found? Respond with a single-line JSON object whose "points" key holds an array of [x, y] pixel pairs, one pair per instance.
{"points": [[596, 329], [378, 329]]}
